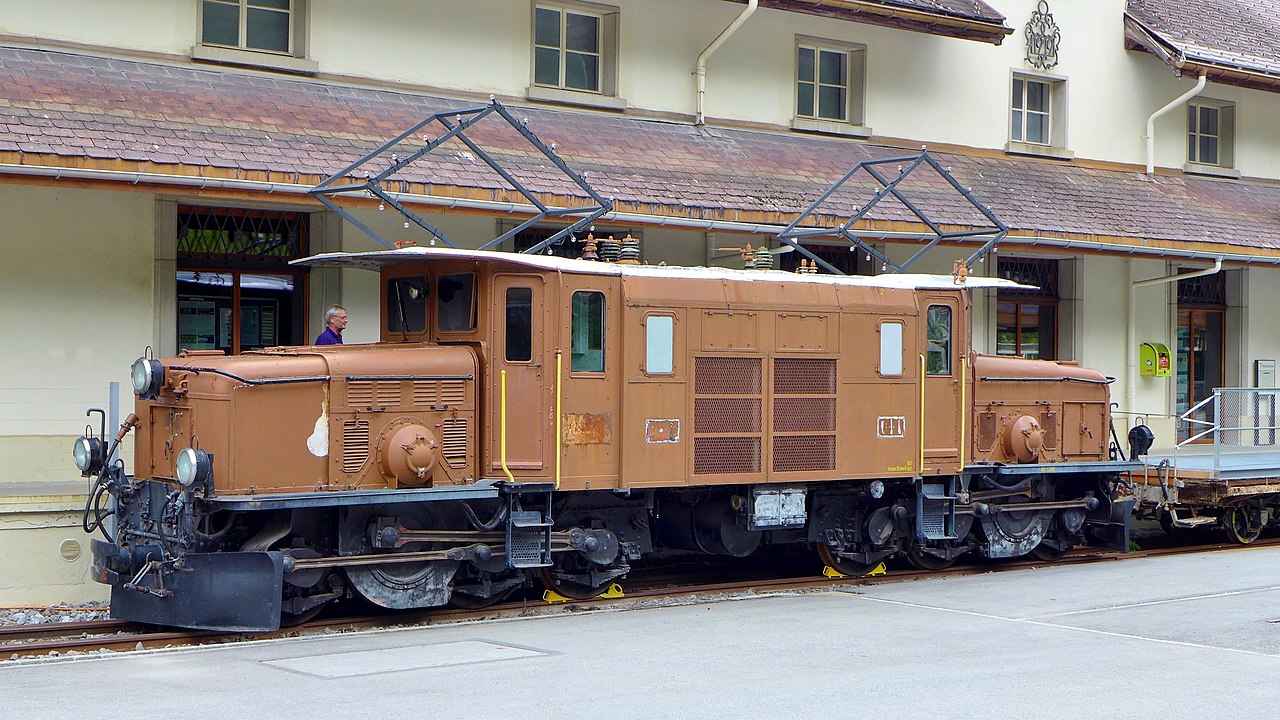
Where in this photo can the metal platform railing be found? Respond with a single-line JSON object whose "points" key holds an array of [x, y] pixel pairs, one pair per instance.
{"points": [[1232, 421]]}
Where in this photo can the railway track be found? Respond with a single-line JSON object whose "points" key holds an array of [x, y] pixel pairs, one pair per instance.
{"points": [[73, 639]]}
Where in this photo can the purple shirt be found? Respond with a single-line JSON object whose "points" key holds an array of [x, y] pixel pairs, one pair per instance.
{"points": [[329, 337]]}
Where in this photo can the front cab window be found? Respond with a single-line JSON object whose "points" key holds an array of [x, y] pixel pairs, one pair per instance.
{"points": [[406, 309], [938, 359], [455, 303]]}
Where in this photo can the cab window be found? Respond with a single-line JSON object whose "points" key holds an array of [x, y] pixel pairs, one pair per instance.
{"points": [[891, 348], [588, 332], [455, 306], [938, 359], [659, 345], [407, 304], [519, 331]]}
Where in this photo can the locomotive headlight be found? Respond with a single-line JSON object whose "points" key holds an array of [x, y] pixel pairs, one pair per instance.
{"points": [[148, 376], [876, 488], [193, 466], [89, 455]]}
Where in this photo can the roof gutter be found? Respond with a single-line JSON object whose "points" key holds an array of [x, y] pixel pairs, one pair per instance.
{"points": [[994, 31], [495, 206], [701, 70]]}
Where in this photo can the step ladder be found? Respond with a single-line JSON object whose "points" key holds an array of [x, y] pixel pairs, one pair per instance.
{"points": [[936, 509], [528, 534]]}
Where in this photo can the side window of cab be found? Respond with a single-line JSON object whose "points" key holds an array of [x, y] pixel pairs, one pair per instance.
{"points": [[406, 308]]}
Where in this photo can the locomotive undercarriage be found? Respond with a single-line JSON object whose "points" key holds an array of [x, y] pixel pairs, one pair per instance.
{"points": [[180, 558]]}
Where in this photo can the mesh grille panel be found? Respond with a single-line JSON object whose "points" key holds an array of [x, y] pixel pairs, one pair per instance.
{"points": [[727, 376], [1049, 423], [439, 392], [454, 441], [373, 392], [726, 415], [986, 430], [804, 414], [355, 445], [726, 455], [793, 453], [804, 376]]}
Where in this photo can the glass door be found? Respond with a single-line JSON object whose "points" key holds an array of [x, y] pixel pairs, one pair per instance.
{"points": [[1200, 355]]}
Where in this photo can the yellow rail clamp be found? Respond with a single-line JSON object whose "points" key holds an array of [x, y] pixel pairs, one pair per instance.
{"points": [[551, 597], [831, 572]]}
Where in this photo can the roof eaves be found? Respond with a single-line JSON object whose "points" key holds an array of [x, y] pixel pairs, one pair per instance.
{"points": [[936, 21], [1185, 61]]}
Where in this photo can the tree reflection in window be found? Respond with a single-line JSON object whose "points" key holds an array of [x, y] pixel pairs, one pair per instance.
{"points": [[938, 357]]}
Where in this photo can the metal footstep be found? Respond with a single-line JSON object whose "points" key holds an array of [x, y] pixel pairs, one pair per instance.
{"points": [[528, 540]]}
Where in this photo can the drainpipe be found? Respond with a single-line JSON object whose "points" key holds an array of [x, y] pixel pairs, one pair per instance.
{"points": [[1151, 122], [1131, 386], [701, 70]]}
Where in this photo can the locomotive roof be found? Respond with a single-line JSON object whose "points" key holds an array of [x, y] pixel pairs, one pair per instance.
{"points": [[378, 259]]}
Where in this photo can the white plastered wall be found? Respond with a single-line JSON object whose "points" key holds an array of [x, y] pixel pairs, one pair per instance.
{"points": [[76, 283]]}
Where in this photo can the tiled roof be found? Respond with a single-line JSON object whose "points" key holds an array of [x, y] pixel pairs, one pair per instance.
{"points": [[59, 108], [1243, 34], [967, 19]]}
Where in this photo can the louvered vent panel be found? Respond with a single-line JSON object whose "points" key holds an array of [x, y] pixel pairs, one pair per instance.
{"points": [[453, 392], [726, 415], [726, 455], [426, 392], [381, 393], [986, 431], [804, 376], [1049, 423], [794, 453], [804, 415], [454, 441], [727, 376], [355, 445]]}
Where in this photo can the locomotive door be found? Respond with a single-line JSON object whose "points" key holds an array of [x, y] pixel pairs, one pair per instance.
{"points": [[519, 347], [944, 351]]}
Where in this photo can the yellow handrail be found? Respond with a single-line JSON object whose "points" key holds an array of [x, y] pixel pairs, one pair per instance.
{"points": [[503, 425], [964, 409], [923, 368], [559, 414]]}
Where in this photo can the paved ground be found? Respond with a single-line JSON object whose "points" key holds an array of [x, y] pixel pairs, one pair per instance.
{"points": [[1175, 637]]}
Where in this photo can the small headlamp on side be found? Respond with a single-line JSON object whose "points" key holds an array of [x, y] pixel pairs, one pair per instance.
{"points": [[148, 377], [90, 455], [194, 466]]}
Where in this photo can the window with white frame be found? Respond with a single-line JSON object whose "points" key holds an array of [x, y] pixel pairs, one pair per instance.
{"points": [[829, 81], [265, 33], [1037, 115], [574, 47], [1210, 133]]}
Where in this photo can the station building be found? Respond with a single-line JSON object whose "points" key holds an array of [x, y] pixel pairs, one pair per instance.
{"points": [[155, 159]]}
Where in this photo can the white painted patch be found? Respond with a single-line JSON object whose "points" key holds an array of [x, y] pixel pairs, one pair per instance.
{"points": [[318, 443], [420, 657]]}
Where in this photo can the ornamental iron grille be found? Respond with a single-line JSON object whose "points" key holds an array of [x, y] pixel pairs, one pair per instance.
{"points": [[232, 235], [1208, 291], [795, 233], [1043, 274], [1043, 38], [389, 166]]}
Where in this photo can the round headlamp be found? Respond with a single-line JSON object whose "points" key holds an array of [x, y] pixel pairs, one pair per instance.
{"points": [[193, 466], [876, 488], [147, 375], [89, 455]]}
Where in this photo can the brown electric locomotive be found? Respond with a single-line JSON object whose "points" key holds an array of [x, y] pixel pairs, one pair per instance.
{"points": [[528, 418]]}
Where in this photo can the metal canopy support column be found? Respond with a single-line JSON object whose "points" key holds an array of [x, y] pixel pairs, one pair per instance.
{"points": [[456, 123], [794, 234]]}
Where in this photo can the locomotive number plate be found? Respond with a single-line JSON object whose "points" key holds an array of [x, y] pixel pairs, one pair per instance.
{"points": [[891, 427], [662, 431]]}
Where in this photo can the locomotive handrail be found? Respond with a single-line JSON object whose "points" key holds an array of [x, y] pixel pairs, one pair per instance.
{"points": [[1107, 381], [248, 381], [923, 370], [503, 430], [559, 412]]}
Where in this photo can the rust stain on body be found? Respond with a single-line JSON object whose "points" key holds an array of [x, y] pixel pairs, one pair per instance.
{"points": [[588, 428]]}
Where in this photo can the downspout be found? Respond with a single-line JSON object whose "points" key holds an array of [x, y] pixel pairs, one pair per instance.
{"points": [[1151, 122], [701, 70], [1131, 385]]}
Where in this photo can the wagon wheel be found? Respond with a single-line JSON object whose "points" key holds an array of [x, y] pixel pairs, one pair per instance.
{"points": [[922, 560], [1240, 524], [844, 566]]}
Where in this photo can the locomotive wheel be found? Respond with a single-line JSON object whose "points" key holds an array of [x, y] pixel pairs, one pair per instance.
{"points": [[397, 585], [470, 575], [922, 560], [1048, 554], [569, 588], [1240, 526], [843, 565], [288, 619]]}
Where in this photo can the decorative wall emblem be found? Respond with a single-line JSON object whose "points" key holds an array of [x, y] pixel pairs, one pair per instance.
{"points": [[1043, 37]]}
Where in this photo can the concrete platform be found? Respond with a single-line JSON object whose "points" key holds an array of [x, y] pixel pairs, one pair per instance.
{"points": [[1173, 637]]}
